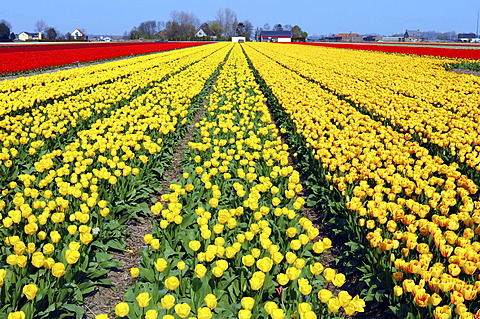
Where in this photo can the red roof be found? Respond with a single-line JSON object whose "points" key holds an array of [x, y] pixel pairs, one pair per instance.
{"points": [[341, 35]]}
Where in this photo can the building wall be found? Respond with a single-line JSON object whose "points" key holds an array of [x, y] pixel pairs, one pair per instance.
{"points": [[200, 33], [23, 36], [284, 40], [239, 39]]}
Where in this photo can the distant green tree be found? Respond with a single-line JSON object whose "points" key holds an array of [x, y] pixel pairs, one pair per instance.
{"points": [[4, 32], [135, 34], [12, 36], [296, 32], [216, 27], [304, 34]]}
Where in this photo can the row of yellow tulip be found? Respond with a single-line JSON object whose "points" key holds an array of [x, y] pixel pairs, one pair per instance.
{"points": [[27, 136], [408, 203], [414, 93], [230, 241], [26, 92], [56, 220]]}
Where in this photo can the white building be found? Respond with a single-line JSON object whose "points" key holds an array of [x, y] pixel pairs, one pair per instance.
{"points": [[204, 31], [77, 34], [30, 36], [239, 39]]}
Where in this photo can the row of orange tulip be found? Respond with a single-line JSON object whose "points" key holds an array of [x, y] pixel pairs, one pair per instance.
{"points": [[413, 207], [415, 94]]}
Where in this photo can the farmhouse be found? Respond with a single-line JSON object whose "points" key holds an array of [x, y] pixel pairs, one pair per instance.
{"points": [[413, 36], [204, 31], [77, 34], [466, 37], [30, 36], [275, 36], [348, 37], [392, 39]]}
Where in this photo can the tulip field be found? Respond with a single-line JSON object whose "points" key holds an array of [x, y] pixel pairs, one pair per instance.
{"points": [[22, 58], [383, 148]]}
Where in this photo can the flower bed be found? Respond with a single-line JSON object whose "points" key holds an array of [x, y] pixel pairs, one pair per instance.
{"points": [[33, 57]]}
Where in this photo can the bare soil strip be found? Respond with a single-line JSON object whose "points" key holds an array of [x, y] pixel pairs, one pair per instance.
{"points": [[104, 299], [466, 71]]}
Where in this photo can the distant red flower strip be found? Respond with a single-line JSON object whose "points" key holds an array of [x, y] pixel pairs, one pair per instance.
{"points": [[418, 50], [32, 57]]}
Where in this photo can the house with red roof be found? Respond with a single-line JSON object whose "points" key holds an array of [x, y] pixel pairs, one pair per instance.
{"points": [[78, 34], [348, 37]]}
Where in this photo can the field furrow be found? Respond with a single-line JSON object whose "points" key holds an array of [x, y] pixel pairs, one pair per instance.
{"points": [[62, 216]]}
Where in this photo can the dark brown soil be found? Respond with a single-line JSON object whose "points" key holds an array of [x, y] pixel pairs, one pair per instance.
{"points": [[104, 299]]}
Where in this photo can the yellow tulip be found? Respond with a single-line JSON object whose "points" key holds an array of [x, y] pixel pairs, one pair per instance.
{"points": [[167, 301], [324, 295], [143, 299], [72, 256], [30, 291], [333, 305], [172, 283], [210, 300], [182, 310], [151, 314], [204, 313], [134, 272], [244, 314], [122, 309], [161, 264], [58, 270], [16, 315], [247, 303]]}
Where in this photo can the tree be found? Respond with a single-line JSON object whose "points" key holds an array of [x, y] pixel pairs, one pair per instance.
{"points": [[296, 32], [40, 26], [287, 27], [4, 32], [228, 20], [240, 29], [160, 26], [244, 29], [278, 27], [266, 27], [134, 34], [448, 36], [248, 29], [216, 27], [182, 25], [257, 34], [148, 29], [12, 36], [51, 34]]}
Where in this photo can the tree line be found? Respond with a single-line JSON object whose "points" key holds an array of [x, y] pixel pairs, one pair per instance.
{"points": [[48, 32], [183, 26]]}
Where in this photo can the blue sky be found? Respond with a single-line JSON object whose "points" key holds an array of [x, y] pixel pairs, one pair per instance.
{"points": [[316, 17]]}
